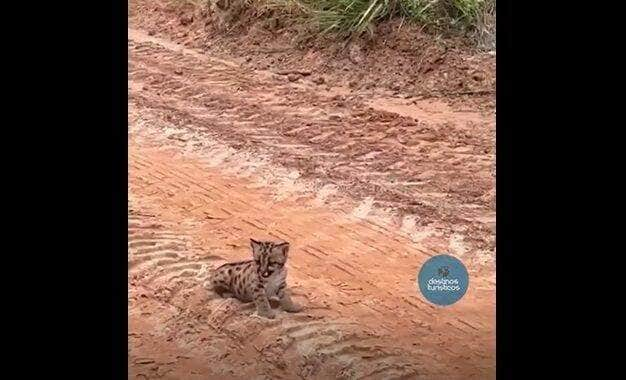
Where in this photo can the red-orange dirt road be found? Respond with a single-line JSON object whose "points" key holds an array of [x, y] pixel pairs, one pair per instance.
{"points": [[365, 188]]}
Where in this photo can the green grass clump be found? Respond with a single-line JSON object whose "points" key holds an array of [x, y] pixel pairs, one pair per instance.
{"points": [[352, 18], [348, 18]]}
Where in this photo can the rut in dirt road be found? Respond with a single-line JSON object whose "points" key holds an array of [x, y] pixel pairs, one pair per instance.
{"points": [[441, 173], [218, 154]]}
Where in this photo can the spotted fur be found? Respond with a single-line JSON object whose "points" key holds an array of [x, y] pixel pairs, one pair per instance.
{"points": [[261, 279]]}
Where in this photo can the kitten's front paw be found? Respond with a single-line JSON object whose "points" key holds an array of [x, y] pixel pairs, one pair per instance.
{"points": [[293, 308]]}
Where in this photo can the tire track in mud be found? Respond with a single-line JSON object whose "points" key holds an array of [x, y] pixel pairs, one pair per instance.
{"points": [[190, 211], [441, 172]]}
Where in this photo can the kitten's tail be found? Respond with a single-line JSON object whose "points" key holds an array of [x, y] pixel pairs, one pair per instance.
{"points": [[205, 274]]}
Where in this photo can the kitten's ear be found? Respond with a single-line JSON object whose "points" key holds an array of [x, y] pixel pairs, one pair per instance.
{"points": [[282, 248], [256, 248]]}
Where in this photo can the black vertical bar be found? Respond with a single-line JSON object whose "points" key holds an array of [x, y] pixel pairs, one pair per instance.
{"points": [[119, 177], [504, 191]]}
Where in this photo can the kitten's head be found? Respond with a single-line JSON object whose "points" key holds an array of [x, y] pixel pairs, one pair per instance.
{"points": [[269, 256]]}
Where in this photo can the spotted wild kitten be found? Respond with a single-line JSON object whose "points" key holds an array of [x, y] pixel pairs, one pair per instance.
{"points": [[259, 280]]}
